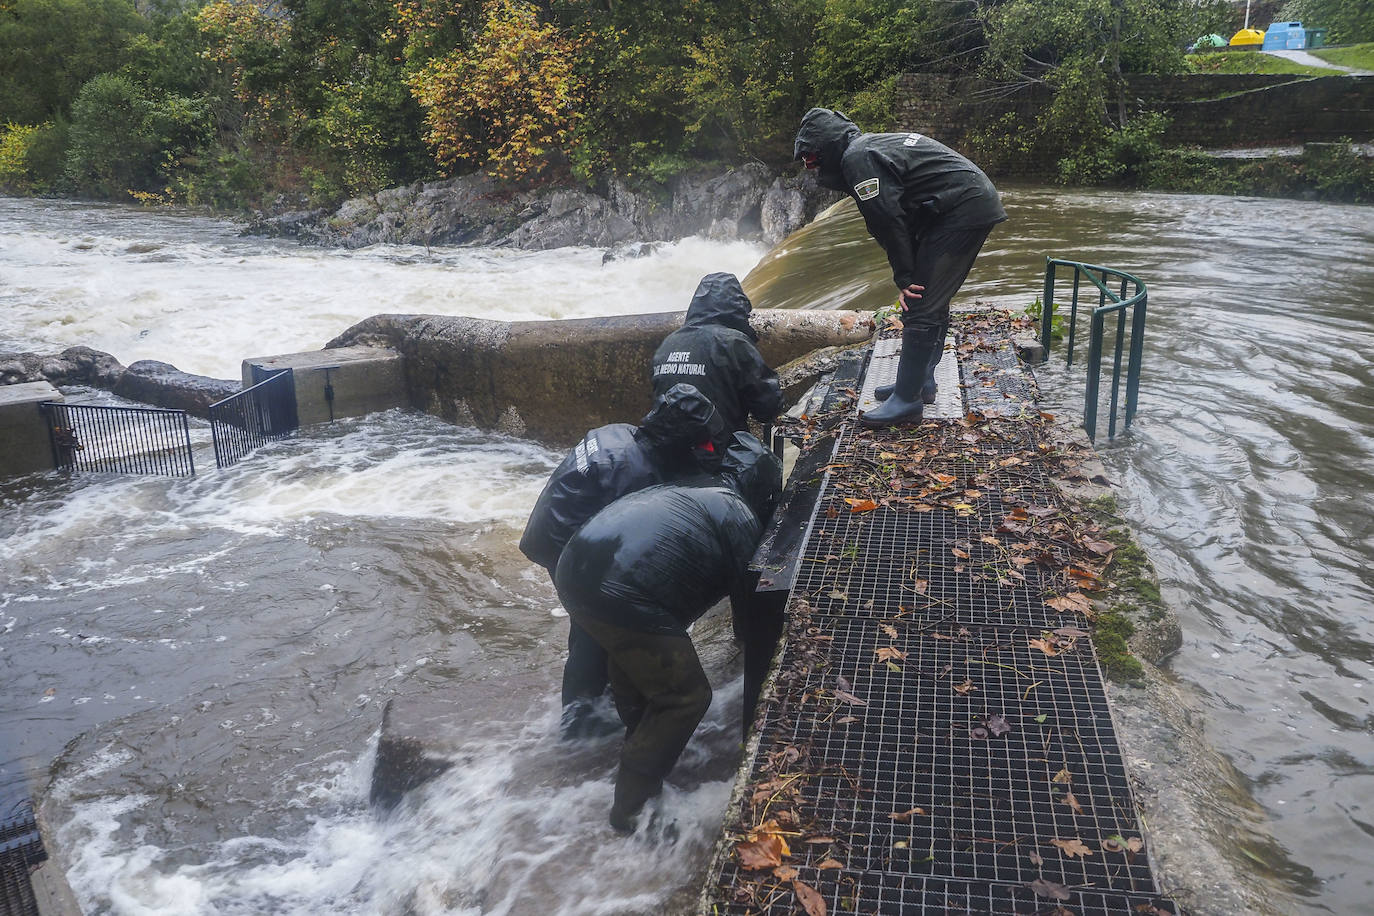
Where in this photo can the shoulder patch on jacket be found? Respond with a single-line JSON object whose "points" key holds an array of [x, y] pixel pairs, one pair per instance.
{"points": [[912, 139], [866, 189]]}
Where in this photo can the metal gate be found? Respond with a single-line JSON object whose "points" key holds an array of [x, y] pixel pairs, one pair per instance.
{"points": [[254, 417], [120, 440]]}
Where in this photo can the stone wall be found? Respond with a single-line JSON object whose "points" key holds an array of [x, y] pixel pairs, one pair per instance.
{"points": [[1211, 111]]}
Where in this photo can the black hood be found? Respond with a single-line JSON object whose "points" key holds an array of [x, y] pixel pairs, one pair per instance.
{"points": [[753, 472], [828, 134], [684, 418], [720, 299]]}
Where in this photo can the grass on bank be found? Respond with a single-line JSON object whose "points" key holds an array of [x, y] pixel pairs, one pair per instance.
{"points": [[1359, 56], [1250, 62]]}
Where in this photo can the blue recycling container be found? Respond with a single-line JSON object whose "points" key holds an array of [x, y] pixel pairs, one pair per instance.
{"points": [[1284, 36]]}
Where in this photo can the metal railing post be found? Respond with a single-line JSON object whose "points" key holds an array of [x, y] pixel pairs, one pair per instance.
{"points": [[1047, 309]]}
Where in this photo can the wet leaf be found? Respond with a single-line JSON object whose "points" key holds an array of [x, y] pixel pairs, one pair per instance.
{"points": [[1045, 647], [829, 863], [860, 505], [785, 873], [838, 595], [888, 629], [812, 902], [966, 687], [998, 725], [1063, 777], [1073, 847], [890, 653], [1072, 802], [1035, 858], [1071, 632], [920, 585], [945, 479], [904, 817], [847, 720], [989, 539], [961, 554], [1049, 890], [1101, 548], [820, 840], [832, 511], [848, 697], [895, 668], [764, 852], [1072, 603]]}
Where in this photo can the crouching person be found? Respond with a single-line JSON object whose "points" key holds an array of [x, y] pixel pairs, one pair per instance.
{"points": [[682, 434], [638, 574]]}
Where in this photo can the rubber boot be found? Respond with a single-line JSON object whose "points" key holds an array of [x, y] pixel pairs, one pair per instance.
{"points": [[904, 405], [929, 389]]}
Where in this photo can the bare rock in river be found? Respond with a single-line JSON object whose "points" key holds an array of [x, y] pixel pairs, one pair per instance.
{"points": [[73, 366], [151, 382], [748, 202], [147, 381]]}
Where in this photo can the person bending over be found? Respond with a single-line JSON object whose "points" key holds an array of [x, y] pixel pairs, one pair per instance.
{"points": [[682, 434], [716, 350], [638, 574], [931, 211]]}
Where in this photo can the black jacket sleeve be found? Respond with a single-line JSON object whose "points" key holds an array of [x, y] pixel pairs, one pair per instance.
{"points": [[760, 392], [889, 224]]}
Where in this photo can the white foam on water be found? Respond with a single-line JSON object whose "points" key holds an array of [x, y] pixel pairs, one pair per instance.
{"points": [[392, 465], [517, 826], [194, 293]]}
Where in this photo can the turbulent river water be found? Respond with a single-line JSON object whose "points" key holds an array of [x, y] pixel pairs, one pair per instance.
{"points": [[194, 670]]}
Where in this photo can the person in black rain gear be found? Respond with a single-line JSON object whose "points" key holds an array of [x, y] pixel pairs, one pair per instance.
{"points": [[642, 570], [682, 434], [715, 350], [931, 211]]}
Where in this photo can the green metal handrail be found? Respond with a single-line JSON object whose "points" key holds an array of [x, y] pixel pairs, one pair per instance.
{"points": [[1119, 304]]}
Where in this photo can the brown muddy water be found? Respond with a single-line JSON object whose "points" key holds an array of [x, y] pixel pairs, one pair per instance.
{"points": [[194, 670]]}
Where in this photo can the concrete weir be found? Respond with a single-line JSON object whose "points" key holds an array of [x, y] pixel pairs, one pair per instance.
{"points": [[553, 380]]}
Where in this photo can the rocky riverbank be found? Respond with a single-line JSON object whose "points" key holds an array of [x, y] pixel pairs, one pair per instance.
{"points": [[751, 202]]}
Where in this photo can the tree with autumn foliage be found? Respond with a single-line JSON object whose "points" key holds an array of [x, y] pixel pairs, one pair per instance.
{"points": [[507, 101]]}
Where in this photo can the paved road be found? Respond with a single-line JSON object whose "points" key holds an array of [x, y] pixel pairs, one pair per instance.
{"points": [[1312, 60]]}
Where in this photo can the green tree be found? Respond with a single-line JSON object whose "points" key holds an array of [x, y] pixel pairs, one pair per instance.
{"points": [[1350, 21], [49, 49], [1082, 50], [111, 149]]}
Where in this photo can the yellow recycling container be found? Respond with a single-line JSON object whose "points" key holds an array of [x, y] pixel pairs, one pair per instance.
{"points": [[1247, 37]]}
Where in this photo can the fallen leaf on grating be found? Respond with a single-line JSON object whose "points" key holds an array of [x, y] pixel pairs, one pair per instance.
{"points": [[812, 902], [1073, 847]]}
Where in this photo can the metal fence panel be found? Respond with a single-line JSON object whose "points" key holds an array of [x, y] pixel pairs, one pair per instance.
{"points": [[120, 440], [253, 417]]}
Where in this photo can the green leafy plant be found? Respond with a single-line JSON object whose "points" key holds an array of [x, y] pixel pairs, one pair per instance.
{"points": [[1036, 310]]}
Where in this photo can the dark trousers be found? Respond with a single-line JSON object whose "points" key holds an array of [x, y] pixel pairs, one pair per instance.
{"points": [[661, 693], [584, 673], [943, 259]]}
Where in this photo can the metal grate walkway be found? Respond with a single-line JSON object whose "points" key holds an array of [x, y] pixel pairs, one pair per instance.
{"points": [[937, 736], [21, 849]]}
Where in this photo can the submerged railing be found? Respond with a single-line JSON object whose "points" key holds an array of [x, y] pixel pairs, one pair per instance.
{"points": [[120, 440], [1110, 300], [253, 417]]}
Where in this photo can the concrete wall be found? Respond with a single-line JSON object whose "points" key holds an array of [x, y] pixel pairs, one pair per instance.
{"points": [[554, 380], [338, 383], [25, 446]]}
